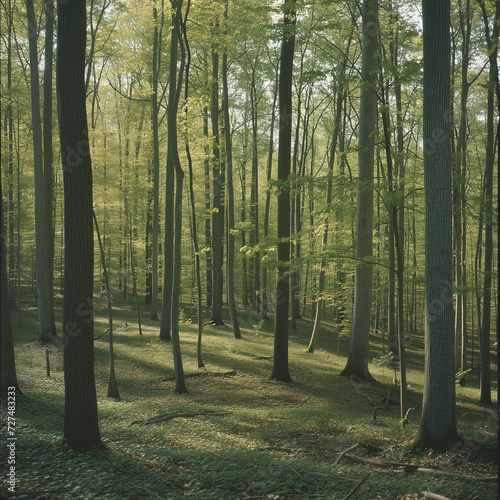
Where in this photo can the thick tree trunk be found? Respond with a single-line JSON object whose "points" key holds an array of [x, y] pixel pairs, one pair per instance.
{"points": [[357, 362], [280, 370], [81, 429], [438, 426]]}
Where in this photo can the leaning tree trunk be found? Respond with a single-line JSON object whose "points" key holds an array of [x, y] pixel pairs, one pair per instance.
{"points": [[81, 428], [438, 425], [357, 362], [280, 364]]}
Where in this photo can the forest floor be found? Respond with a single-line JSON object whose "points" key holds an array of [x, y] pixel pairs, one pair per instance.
{"points": [[253, 438]]}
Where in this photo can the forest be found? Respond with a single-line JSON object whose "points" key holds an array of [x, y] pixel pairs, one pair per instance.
{"points": [[249, 249]]}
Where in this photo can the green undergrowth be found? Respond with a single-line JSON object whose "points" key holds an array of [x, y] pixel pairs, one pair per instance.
{"points": [[256, 439]]}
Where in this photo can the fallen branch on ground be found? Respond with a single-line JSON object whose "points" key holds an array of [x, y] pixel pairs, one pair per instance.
{"points": [[352, 448], [203, 374], [169, 416], [414, 468], [356, 488], [434, 496]]}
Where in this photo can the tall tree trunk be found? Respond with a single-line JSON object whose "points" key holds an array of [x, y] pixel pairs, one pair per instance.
{"points": [[112, 383], [357, 362], [218, 197], [493, 88], [280, 370], [8, 376], [438, 426], [458, 195], [9, 135], [265, 305], [46, 329], [48, 155], [230, 191], [168, 267], [192, 197], [156, 166], [81, 429], [180, 385]]}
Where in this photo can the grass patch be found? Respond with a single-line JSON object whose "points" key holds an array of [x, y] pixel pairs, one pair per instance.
{"points": [[275, 440]]}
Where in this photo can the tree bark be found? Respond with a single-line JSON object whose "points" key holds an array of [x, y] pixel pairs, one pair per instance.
{"points": [[81, 429], [46, 329], [438, 426], [493, 88], [218, 197], [230, 192], [280, 370], [168, 267], [8, 377], [357, 362]]}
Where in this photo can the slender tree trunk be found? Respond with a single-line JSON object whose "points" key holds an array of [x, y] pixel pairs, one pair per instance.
{"points": [[357, 362], [48, 155], [230, 191], [45, 327], [156, 166], [280, 370], [192, 197], [493, 88], [438, 426], [112, 383], [180, 385], [218, 198], [208, 210], [265, 305], [8, 376], [168, 283], [81, 429]]}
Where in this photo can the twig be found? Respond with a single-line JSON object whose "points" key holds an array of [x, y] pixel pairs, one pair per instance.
{"points": [[102, 334], [414, 468], [434, 496], [352, 448], [351, 493]]}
